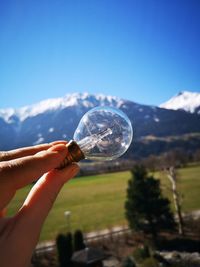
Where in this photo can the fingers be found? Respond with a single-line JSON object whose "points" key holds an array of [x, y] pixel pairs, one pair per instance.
{"points": [[27, 151], [30, 218], [22, 152], [43, 194], [2, 213], [58, 142], [17, 173], [22, 171]]}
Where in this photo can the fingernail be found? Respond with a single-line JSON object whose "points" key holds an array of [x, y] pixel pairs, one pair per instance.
{"points": [[58, 142]]}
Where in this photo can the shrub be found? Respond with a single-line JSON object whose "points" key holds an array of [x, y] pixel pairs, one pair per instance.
{"points": [[150, 262], [140, 254], [78, 240], [128, 262]]}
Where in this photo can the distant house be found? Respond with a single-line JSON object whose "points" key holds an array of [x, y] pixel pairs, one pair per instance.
{"points": [[88, 257]]}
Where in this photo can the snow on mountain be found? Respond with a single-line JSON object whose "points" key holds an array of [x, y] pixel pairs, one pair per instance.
{"points": [[188, 101], [76, 99], [55, 119], [6, 114]]}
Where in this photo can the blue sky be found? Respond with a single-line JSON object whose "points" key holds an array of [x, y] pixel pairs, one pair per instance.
{"points": [[144, 50]]}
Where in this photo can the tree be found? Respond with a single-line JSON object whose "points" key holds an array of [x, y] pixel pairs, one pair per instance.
{"points": [[172, 176], [78, 240], [176, 158], [65, 249], [69, 248], [61, 247], [197, 155], [146, 209]]}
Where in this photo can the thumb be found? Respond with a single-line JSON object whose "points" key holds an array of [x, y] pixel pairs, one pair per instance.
{"points": [[43, 194], [30, 218]]}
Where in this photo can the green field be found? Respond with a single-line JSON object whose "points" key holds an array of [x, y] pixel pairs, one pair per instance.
{"points": [[97, 202]]}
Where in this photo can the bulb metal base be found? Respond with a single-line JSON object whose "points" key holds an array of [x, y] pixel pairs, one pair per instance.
{"points": [[75, 154]]}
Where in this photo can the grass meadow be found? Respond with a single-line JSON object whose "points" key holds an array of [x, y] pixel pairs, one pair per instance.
{"points": [[97, 202]]}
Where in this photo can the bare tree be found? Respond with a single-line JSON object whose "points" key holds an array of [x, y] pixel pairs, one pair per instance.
{"points": [[172, 176]]}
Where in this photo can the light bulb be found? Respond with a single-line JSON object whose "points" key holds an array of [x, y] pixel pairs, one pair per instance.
{"points": [[103, 133]]}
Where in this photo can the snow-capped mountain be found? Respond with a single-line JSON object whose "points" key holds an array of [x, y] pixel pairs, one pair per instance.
{"points": [[49, 119], [188, 101], [55, 119], [76, 99]]}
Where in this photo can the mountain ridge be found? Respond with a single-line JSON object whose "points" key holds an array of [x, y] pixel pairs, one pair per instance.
{"points": [[184, 100], [55, 119], [58, 103]]}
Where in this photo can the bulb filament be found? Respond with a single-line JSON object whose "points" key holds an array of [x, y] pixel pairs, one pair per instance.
{"points": [[89, 142]]}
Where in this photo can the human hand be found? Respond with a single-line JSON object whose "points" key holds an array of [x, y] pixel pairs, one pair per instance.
{"points": [[19, 234]]}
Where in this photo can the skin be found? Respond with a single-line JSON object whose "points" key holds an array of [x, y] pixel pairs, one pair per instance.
{"points": [[19, 234]]}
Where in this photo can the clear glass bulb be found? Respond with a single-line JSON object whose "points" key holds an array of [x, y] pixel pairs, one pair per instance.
{"points": [[104, 133]]}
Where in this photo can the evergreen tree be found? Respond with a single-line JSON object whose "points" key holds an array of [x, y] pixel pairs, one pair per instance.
{"points": [[65, 249], [146, 209], [78, 240], [61, 247], [69, 248]]}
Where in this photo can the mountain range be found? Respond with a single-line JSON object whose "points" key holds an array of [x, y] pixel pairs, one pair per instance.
{"points": [[156, 129]]}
